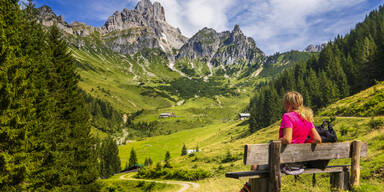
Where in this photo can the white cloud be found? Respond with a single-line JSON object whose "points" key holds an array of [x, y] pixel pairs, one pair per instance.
{"points": [[287, 24], [276, 25], [193, 15]]}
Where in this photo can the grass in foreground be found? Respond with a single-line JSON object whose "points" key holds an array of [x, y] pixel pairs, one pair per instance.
{"points": [[115, 184]]}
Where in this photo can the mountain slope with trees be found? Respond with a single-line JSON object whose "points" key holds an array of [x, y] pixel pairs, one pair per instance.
{"points": [[45, 132], [344, 67]]}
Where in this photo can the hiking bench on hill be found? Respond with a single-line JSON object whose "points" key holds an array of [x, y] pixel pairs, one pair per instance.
{"points": [[274, 153]]}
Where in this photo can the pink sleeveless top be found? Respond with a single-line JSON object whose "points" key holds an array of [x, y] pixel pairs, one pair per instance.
{"points": [[300, 127]]}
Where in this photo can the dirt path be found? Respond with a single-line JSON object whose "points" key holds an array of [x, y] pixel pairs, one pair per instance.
{"points": [[185, 185]]}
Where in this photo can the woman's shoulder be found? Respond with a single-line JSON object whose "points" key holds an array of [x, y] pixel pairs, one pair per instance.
{"points": [[290, 114]]}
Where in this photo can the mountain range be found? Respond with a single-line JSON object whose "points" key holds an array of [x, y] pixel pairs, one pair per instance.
{"points": [[137, 61], [145, 27]]}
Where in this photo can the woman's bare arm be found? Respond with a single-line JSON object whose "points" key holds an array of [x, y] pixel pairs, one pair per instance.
{"points": [[315, 136], [287, 136]]}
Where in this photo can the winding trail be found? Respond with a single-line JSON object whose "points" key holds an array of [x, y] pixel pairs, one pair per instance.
{"points": [[185, 185]]}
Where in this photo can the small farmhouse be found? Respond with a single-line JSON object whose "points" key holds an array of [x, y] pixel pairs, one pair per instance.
{"points": [[166, 115], [244, 116], [189, 151]]}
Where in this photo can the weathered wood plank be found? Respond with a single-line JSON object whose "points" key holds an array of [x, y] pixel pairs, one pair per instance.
{"points": [[340, 180], [265, 173], [355, 169], [247, 174], [337, 181], [259, 185], [257, 154], [274, 166]]}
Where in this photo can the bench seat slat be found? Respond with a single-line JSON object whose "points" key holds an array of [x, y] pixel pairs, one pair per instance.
{"points": [[257, 154], [264, 173]]}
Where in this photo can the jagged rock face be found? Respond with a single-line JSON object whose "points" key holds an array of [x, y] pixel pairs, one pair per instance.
{"points": [[128, 31], [226, 48], [148, 17], [48, 18], [204, 43], [314, 48], [238, 49]]}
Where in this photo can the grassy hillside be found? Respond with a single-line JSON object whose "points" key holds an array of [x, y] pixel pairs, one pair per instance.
{"points": [[369, 102], [121, 80], [217, 140]]}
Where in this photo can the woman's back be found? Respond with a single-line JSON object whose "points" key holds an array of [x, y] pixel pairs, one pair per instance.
{"points": [[301, 128]]}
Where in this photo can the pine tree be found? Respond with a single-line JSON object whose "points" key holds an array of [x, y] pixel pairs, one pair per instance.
{"points": [[17, 98], [313, 89], [158, 166], [272, 106], [184, 150], [75, 152], [167, 160], [132, 159], [109, 158]]}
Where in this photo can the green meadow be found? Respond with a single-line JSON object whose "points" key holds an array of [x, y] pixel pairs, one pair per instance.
{"points": [[215, 141]]}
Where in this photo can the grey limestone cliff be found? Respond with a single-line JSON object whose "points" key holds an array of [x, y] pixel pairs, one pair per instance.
{"points": [[315, 48], [225, 48], [128, 31]]}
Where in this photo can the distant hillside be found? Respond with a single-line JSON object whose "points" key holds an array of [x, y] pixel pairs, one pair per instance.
{"points": [[367, 103]]}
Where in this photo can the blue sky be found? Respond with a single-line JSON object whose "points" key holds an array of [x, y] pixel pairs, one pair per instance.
{"points": [[276, 25]]}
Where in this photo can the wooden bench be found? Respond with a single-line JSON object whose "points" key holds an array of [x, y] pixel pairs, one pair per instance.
{"points": [[274, 153]]}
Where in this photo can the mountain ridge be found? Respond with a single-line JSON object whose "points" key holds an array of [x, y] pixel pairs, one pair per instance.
{"points": [[126, 32]]}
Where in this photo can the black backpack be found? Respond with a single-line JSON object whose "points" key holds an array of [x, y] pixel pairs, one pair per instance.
{"points": [[327, 136]]}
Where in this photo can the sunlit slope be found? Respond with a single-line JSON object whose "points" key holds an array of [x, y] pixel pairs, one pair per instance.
{"points": [[216, 140], [122, 80], [369, 102]]}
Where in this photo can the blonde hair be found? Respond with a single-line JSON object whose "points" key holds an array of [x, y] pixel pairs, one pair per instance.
{"points": [[294, 101]]}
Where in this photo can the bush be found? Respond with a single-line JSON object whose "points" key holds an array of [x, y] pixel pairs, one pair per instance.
{"points": [[375, 123], [230, 158], [167, 173]]}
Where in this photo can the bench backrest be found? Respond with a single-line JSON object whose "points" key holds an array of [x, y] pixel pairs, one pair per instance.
{"points": [[258, 154]]}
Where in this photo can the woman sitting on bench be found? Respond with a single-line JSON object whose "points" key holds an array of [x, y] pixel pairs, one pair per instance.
{"points": [[297, 122], [296, 125]]}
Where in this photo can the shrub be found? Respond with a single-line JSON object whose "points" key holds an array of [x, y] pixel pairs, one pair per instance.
{"points": [[229, 158], [375, 123], [168, 173]]}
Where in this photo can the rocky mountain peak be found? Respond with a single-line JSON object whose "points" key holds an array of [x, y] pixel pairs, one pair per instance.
{"points": [[133, 30], [145, 14], [225, 48], [236, 29], [143, 5], [236, 35], [45, 10], [314, 48], [151, 11]]}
